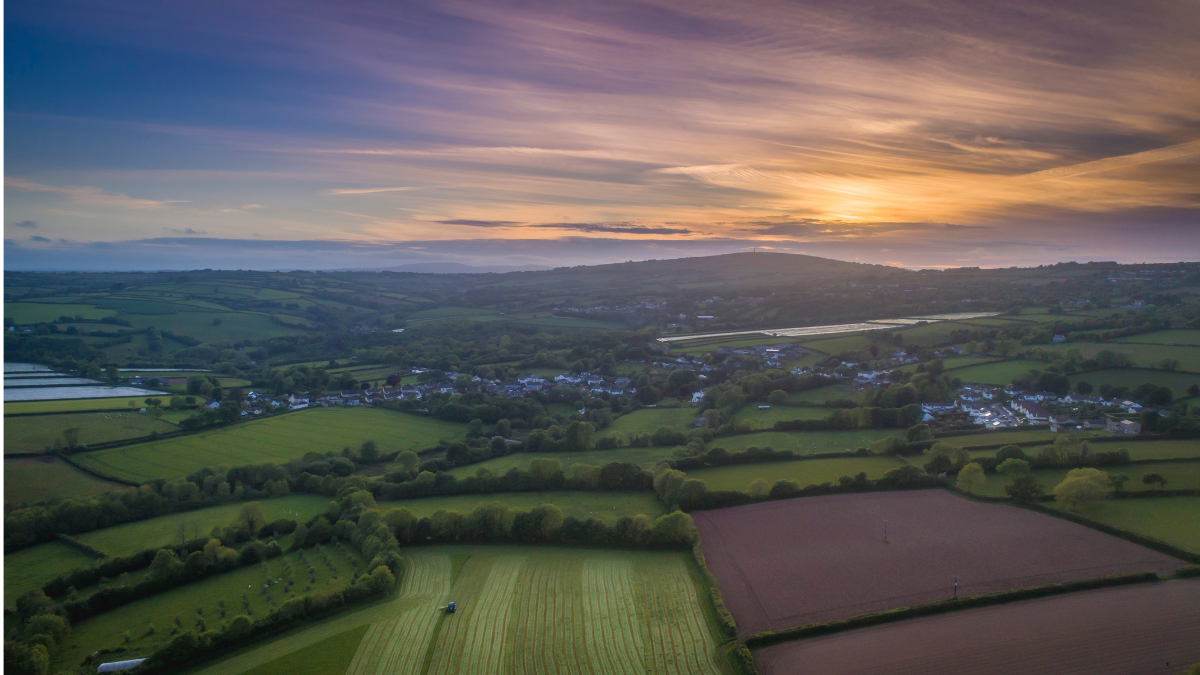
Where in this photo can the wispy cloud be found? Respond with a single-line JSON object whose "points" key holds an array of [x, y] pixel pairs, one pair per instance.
{"points": [[479, 223], [617, 228], [88, 195], [26, 223]]}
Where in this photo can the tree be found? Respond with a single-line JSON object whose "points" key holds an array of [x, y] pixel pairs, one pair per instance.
{"points": [[1083, 488], [1013, 467], [251, 517], [1084, 388], [71, 437], [971, 477], [1025, 489], [1154, 479], [1118, 481], [368, 452], [777, 397], [409, 459], [1193, 390], [381, 580], [674, 529], [759, 488]]}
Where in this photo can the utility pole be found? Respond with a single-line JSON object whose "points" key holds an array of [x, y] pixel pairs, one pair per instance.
{"points": [[885, 539], [955, 588]]}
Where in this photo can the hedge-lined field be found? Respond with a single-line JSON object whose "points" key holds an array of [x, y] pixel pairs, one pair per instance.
{"points": [[804, 442], [644, 457], [804, 471], [648, 420], [1180, 476], [1143, 355], [81, 404], [35, 434], [535, 610], [999, 373], [34, 479], [258, 584], [766, 419], [275, 439], [828, 393], [605, 506], [127, 539], [35, 312], [1178, 336], [1177, 449], [1175, 520], [330, 656], [29, 569], [1133, 378]]}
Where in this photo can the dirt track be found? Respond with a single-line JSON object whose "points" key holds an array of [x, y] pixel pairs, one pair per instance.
{"points": [[1132, 630], [798, 561]]}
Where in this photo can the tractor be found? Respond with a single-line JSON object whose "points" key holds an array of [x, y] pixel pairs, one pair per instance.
{"points": [[450, 607]]}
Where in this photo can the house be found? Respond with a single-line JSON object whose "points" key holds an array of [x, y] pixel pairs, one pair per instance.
{"points": [[212, 405], [1124, 427], [697, 397], [1131, 407], [1059, 338], [1033, 411]]}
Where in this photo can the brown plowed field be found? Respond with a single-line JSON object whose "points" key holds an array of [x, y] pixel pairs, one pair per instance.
{"points": [[798, 561], [1132, 630]]}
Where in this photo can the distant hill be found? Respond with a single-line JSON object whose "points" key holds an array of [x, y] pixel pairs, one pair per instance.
{"points": [[453, 268]]}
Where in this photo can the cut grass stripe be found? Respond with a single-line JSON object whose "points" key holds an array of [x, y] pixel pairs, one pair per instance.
{"points": [[614, 639], [397, 644], [473, 639]]}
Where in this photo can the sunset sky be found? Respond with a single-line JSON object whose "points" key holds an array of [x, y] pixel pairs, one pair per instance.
{"points": [[178, 135]]}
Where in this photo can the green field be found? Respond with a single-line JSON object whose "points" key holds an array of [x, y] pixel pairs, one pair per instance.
{"points": [[1003, 437], [122, 540], [330, 656], [29, 569], [1144, 355], [605, 506], [35, 479], [275, 439], [952, 362], [999, 373], [81, 404], [35, 434], [648, 420], [644, 457], [831, 392], [1133, 378], [766, 419], [34, 312], [1179, 337], [1175, 520], [105, 630], [804, 442], [803, 471], [1179, 475], [233, 325]]}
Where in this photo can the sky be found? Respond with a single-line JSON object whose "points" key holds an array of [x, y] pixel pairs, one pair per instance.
{"points": [[307, 134]]}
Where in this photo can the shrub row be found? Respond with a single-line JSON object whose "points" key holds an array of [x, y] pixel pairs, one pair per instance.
{"points": [[859, 418], [1148, 542], [728, 624], [543, 474], [768, 638]]}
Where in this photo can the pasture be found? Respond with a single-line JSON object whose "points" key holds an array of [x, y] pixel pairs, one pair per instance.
{"points": [[35, 312], [256, 587], [81, 404], [127, 539], [798, 561], [605, 506], [648, 420], [330, 656], [1133, 629], [766, 419], [1175, 449], [1175, 520], [832, 392], [804, 442], [998, 373], [644, 457], [1133, 378], [1178, 336], [37, 433], [274, 439], [803, 471], [214, 326], [34, 479], [1144, 355], [1001, 436], [29, 569], [1179, 476]]}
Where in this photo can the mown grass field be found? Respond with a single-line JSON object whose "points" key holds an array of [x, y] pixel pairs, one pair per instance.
{"points": [[999, 373], [35, 434], [1001, 437], [275, 439], [314, 568], [29, 569], [766, 419], [1175, 520], [80, 404], [648, 420], [330, 656], [1133, 378], [952, 362], [232, 326], [1178, 336], [645, 457], [805, 471], [606, 506], [1179, 475], [34, 479], [35, 312], [1144, 355], [804, 442], [121, 540], [828, 393], [1174, 449], [530, 610]]}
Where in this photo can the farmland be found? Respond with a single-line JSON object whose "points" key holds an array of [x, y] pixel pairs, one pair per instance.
{"points": [[28, 569], [604, 506], [122, 540], [322, 567], [330, 656], [803, 471], [275, 439], [646, 421], [33, 312], [1175, 520], [644, 457], [822, 394], [79, 404], [1144, 355], [766, 419], [1179, 337], [35, 479], [803, 443], [82, 391], [1179, 475], [1177, 382], [1133, 630], [998, 373], [37, 433], [797, 561]]}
